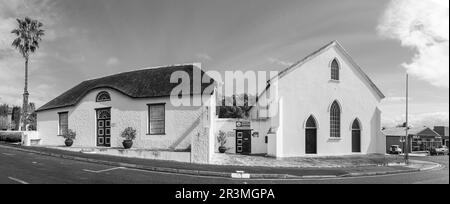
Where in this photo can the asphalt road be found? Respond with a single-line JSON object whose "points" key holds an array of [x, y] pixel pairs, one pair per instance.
{"points": [[18, 167]]}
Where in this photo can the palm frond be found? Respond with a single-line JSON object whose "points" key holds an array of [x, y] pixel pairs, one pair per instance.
{"points": [[29, 34]]}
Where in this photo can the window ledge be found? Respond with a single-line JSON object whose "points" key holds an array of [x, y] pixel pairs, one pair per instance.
{"points": [[163, 134], [335, 81], [334, 139]]}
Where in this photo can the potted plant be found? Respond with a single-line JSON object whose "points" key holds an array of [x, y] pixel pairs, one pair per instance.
{"points": [[70, 135], [222, 139], [129, 134]]}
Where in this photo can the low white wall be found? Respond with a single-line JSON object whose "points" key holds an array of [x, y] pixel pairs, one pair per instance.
{"points": [[31, 138]]}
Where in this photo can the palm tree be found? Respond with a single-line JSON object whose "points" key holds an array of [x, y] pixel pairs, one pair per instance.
{"points": [[29, 33]]}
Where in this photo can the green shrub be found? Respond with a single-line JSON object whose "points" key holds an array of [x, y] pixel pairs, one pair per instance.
{"points": [[129, 134], [69, 135], [11, 137]]}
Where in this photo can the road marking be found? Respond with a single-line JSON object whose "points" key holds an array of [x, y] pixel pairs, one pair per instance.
{"points": [[102, 171], [8, 154], [18, 180]]}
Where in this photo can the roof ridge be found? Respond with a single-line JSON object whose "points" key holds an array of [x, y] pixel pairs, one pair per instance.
{"points": [[148, 68]]}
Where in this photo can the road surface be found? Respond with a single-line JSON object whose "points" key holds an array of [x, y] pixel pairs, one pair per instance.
{"points": [[17, 167]]}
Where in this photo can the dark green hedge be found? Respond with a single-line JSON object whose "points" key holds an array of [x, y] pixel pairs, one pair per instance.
{"points": [[11, 137]]}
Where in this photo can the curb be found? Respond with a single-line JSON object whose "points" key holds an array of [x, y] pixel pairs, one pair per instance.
{"points": [[215, 174]]}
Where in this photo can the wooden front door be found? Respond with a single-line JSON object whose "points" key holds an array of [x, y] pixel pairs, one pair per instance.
{"points": [[356, 137], [243, 142], [356, 141], [311, 141], [104, 128]]}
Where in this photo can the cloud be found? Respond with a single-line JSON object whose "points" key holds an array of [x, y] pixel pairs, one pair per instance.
{"points": [[204, 56], [424, 27], [280, 62], [419, 120], [112, 61], [396, 99]]}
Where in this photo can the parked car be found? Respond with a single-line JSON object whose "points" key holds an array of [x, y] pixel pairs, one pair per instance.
{"points": [[439, 151], [395, 149]]}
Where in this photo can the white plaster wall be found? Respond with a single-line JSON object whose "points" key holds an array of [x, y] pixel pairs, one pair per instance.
{"points": [[307, 90], [181, 122]]}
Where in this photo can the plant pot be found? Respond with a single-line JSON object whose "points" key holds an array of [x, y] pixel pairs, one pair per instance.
{"points": [[222, 150], [68, 142], [127, 144]]}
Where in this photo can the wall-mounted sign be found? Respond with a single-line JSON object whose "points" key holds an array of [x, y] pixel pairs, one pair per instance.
{"points": [[243, 124]]}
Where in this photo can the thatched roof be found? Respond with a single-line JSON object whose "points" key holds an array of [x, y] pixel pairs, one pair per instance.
{"points": [[146, 83]]}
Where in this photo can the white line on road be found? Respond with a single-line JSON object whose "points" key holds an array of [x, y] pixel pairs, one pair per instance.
{"points": [[8, 154], [102, 171], [18, 180]]}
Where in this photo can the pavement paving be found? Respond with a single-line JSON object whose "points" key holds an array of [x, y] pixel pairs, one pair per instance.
{"points": [[19, 167]]}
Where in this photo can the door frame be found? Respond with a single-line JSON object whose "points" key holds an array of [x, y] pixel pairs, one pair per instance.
{"points": [[249, 142], [96, 125]]}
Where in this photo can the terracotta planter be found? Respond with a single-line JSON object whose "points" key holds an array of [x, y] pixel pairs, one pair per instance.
{"points": [[222, 150], [68, 142], [127, 144]]}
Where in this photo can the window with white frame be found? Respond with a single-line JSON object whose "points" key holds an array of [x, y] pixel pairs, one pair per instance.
{"points": [[157, 119], [63, 123]]}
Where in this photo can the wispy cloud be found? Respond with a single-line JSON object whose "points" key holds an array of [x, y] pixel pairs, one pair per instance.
{"points": [[204, 56], [112, 61], [280, 62], [419, 120], [423, 26], [396, 99]]}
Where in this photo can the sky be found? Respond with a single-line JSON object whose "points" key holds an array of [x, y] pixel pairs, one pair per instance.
{"points": [[86, 39]]}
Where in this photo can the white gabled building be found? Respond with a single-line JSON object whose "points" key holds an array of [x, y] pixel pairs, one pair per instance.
{"points": [[326, 105]]}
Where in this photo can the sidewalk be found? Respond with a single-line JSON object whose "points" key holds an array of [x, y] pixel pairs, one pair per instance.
{"points": [[226, 171]]}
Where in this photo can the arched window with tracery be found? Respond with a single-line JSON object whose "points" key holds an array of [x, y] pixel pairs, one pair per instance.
{"points": [[103, 96], [335, 120]]}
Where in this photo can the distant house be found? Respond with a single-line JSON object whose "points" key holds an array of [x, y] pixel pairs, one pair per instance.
{"points": [[421, 139], [444, 132]]}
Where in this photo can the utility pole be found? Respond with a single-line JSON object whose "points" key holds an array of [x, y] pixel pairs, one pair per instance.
{"points": [[407, 121]]}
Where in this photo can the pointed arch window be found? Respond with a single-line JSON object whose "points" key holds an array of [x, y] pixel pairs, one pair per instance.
{"points": [[356, 125], [335, 70], [335, 120], [103, 96], [311, 123]]}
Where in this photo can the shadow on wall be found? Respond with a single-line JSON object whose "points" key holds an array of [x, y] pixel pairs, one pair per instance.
{"points": [[375, 130]]}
